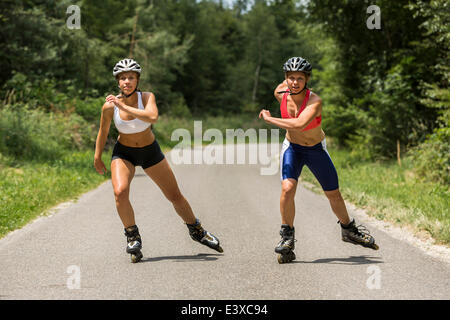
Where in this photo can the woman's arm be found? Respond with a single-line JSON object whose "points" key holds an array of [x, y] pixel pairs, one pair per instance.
{"points": [[151, 107], [149, 114], [281, 87], [105, 124], [310, 112]]}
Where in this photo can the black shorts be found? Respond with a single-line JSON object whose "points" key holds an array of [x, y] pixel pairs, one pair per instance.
{"points": [[145, 156]]}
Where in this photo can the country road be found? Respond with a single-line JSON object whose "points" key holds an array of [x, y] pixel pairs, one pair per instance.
{"points": [[79, 252]]}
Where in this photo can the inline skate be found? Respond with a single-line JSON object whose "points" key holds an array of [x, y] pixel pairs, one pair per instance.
{"points": [[134, 243], [286, 246], [357, 235], [206, 238]]}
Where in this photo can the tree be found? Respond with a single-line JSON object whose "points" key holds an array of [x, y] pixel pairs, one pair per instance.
{"points": [[381, 72]]}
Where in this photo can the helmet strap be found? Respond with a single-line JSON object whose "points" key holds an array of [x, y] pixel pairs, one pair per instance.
{"points": [[128, 95], [294, 94]]}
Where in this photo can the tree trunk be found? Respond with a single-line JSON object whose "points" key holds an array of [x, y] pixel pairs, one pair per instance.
{"points": [[132, 37], [257, 72]]}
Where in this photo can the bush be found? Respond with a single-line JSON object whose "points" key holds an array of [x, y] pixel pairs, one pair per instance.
{"points": [[179, 109], [391, 113], [340, 122], [32, 134], [431, 158], [36, 94], [90, 109]]}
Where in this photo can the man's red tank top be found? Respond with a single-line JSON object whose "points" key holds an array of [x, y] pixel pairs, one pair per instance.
{"points": [[285, 114]]}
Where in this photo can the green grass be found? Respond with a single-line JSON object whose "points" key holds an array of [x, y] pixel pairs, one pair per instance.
{"points": [[392, 193], [30, 189]]}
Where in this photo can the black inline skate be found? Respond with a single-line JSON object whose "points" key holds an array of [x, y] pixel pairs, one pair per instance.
{"points": [[206, 238], [134, 245], [358, 235], [286, 246]]}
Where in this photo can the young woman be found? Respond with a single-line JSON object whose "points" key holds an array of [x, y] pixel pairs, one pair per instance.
{"points": [[133, 113], [301, 112]]}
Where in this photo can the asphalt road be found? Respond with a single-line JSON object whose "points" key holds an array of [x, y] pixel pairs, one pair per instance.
{"points": [[79, 252]]}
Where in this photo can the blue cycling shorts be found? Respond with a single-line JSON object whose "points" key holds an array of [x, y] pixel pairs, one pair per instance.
{"points": [[294, 156]]}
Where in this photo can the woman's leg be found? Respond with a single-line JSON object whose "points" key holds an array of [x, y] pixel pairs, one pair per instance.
{"points": [[287, 203], [322, 167], [337, 204], [122, 172], [162, 175]]}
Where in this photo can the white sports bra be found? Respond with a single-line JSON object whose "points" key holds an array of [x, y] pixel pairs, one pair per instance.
{"points": [[130, 126]]}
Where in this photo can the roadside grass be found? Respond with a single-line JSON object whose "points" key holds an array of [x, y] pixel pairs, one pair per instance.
{"points": [[30, 189], [392, 193]]}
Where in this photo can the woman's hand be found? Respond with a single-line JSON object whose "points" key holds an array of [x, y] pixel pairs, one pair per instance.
{"points": [[100, 166], [113, 99], [265, 114]]}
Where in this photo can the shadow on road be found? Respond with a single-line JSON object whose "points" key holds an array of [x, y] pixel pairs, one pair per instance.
{"points": [[353, 260], [197, 257]]}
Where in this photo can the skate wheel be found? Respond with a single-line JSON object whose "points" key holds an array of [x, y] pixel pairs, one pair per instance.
{"points": [[286, 258], [136, 257], [280, 259]]}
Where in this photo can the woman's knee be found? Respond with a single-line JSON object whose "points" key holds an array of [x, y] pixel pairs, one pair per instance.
{"points": [[174, 196], [121, 193], [288, 189], [334, 195]]}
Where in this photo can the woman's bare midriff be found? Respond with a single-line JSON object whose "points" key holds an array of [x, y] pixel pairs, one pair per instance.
{"points": [[137, 140], [306, 138]]}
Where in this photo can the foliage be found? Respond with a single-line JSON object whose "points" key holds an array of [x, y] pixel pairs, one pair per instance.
{"points": [[431, 157], [392, 82], [32, 134], [380, 87]]}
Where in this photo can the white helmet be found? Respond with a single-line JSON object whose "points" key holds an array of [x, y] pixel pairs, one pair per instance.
{"points": [[297, 64], [126, 65]]}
